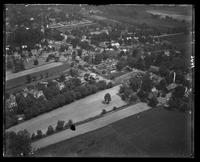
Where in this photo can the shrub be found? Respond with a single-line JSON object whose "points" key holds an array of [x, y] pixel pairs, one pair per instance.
{"points": [[133, 98], [101, 85], [114, 108], [153, 102], [142, 95], [60, 125], [35, 62], [103, 111], [110, 85], [50, 130], [68, 124], [39, 134], [33, 136]]}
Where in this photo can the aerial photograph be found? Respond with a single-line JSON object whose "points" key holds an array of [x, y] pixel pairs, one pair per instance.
{"points": [[111, 80]]}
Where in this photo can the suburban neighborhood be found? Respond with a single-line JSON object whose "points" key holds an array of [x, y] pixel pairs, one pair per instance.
{"points": [[78, 72]]}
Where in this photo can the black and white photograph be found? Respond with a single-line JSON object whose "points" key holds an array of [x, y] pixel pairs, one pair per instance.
{"points": [[109, 80]]}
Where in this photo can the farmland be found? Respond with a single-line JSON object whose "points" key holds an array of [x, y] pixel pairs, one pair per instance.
{"points": [[155, 132], [135, 15]]}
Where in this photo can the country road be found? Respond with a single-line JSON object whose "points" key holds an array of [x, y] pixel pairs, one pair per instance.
{"points": [[77, 111], [90, 126]]}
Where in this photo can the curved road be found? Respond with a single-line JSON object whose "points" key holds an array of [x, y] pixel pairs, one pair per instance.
{"points": [[77, 111]]}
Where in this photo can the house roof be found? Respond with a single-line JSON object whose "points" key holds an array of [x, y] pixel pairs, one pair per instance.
{"points": [[171, 86]]}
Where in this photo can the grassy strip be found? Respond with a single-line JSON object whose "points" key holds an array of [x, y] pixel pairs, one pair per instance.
{"points": [[87, 120]]}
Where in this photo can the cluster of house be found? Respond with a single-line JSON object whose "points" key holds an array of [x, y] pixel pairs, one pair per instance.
{"points": [[106, 67]]}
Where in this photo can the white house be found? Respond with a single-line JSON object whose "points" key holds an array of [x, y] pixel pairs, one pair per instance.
{"points": [[11, 102]]}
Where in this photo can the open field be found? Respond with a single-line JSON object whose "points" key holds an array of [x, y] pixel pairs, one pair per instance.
{"points": [[137, 14], [91, 125], [155, 132], [182, 41], [77, 111]]}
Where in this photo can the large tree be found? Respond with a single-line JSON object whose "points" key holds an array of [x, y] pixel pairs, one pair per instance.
{"points": [[179, 92], [134, 83], [125, 92], [107, 98], [17, 144], [146, 83]]}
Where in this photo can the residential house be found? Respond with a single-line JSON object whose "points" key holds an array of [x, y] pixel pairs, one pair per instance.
{"points": [[11, 102], [154, 69], [171, 87], [60, 85]]}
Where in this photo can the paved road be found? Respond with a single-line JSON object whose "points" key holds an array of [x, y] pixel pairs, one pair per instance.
{"points": [[33, 70], [90, 126], [77, 111], [167, 35]]}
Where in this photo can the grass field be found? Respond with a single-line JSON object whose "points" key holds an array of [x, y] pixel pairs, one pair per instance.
{"points": [[180, 41], [155, 132], [137, 14]]}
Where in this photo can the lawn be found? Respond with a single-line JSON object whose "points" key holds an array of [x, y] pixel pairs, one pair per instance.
{"points": [[155, 132]]}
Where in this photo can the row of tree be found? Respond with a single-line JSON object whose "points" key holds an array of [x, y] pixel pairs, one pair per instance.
{"points": [[61, 125], [17, 144], [31, 107]]}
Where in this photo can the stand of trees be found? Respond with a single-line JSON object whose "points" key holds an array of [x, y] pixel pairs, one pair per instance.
{"points": [[17, 144], [31, 107]]}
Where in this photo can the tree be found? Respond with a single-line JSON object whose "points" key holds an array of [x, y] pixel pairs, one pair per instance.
{"points": [[75, 82], [178, 63], [68, 97], [109, 85], [142, 95], [103, 111], [22, 104], [68, 124], [153, 102], [62, 78], [33, 136], [121, 64], [98, 59], [39, 134], [125, 92], [134, 84], [173, 103], [35, 62], [28, 79], [162, 85], [107, 98], [86, 76], [101, 85], [50, 130], [179, 92], [163, 71], [146, 84], [133, 98], [131, 61], [60, 125], [17, 144]]}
